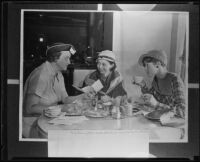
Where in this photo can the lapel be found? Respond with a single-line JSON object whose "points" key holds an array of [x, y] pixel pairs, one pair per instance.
{"points": [[115, 82]]}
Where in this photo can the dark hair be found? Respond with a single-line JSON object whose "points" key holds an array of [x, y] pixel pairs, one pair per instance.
{"points": [[114, 67], [52, 57], [151, 59]]}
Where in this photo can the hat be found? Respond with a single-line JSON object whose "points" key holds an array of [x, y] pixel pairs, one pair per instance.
{"points": [[107, 55], [157, 54], [57, 47]]}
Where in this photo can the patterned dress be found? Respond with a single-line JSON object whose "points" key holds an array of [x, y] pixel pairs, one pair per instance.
{"points": [[170, 94], [112, 86]]}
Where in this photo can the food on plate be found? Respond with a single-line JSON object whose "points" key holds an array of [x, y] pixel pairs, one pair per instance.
{"points": [[72, 109], [97, 113], [109, 103]]}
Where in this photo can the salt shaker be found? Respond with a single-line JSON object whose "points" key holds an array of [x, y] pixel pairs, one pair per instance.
{"points": [[118, 113], [129, 108]]}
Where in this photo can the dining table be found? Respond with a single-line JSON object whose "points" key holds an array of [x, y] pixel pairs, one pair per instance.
{"points": [[157, 131]]}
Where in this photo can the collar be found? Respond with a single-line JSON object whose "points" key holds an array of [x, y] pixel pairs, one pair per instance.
{"points": [[50, 68]]}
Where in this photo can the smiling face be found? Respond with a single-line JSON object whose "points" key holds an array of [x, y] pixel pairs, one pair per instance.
{"points": [[104, 67], [64, 60]]}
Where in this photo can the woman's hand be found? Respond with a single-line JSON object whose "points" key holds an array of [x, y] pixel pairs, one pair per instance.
{"points": [[53, 110], [144, 82], [150, 100], [166, 117], [141, 84], [89, 91], [106, 98]]}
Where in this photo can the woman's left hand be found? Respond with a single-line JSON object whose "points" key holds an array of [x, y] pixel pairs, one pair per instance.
{"points": [[167, 116], [169, 119], [150, 99], [89, 91], [106, 98]]}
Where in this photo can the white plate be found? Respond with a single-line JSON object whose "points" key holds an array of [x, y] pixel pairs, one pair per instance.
{"points": [[73, 114], [52, 116], [94, 114], [152, 118]]}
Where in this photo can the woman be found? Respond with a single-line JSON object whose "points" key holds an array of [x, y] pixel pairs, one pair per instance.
{"points": [[167, 90], [108, 75], [45, 85]]}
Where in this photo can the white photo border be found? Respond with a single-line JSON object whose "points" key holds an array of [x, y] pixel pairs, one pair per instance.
{"points": [[99, 10]]}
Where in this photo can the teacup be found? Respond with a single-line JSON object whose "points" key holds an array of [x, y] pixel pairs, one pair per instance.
{"points": [[149, 99], [137, 79], [53, 110], [129, 109]]}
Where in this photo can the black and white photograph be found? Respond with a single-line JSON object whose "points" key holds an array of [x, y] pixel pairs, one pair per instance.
{"points": [[99, 80], [104, 71]]}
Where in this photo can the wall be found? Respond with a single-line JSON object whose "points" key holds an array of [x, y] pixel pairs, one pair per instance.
{"points": [[135, 33]]}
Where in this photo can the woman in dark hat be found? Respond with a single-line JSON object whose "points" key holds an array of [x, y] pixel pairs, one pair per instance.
{"points": [[167, 90], [110, 78], [45, 85]]}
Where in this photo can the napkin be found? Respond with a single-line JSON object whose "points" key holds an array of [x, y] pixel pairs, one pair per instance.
{"points": [[97, 85], [173, 122], [67, 120]]}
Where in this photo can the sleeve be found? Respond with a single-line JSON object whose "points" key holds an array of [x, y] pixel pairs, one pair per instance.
{"points": [[64, 93], [118, 91], [178, 89], [88, 81], [37, 85]]}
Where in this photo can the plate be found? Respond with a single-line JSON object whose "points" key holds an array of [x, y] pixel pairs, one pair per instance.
{"points": [[155, 115], [135, 110], [95, 114], [52, 116], [73, 114], [151, 117]]}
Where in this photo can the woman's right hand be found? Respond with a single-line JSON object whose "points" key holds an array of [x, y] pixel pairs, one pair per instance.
{"points": [[150, 99], [141, 84], [53, 110], [89, 91], [106, 98]]}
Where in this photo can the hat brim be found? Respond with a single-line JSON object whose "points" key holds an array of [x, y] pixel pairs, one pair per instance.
{"points": [[61, 47], [140, 61], [107, 59]]}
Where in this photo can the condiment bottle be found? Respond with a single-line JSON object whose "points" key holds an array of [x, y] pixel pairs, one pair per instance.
{"points": [[118, 113]]}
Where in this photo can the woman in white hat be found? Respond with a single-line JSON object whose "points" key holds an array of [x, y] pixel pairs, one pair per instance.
{"points": [[110, 78], [167, 90]]}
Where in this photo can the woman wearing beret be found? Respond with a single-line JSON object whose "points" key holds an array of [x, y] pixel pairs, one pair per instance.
{"points": [[45, 85], [167, 90], [110, 78]]}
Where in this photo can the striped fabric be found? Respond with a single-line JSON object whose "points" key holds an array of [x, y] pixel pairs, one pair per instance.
{"points": [[173, 98]]}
